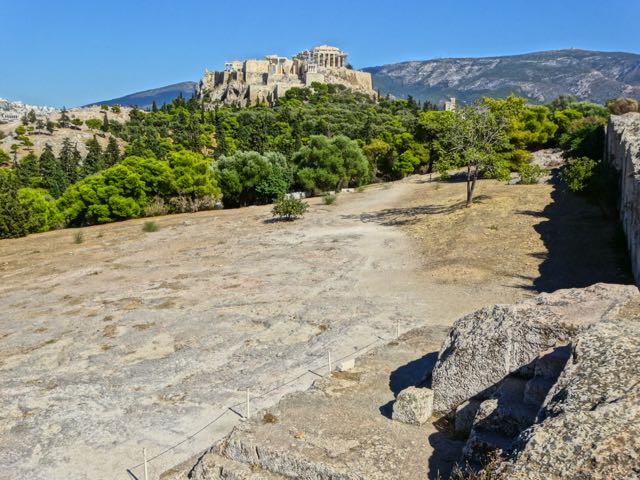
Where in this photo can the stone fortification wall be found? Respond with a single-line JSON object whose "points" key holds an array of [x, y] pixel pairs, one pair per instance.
{"points": [[249, 82], [623, 151]]}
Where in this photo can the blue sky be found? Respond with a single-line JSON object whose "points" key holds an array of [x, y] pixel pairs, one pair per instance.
{"points": [[70, 52]]}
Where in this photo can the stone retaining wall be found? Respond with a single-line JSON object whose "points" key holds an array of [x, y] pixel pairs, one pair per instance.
{"points": [[623, 151]]}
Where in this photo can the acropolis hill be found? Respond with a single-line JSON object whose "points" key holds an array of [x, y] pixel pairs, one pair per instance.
{"points": [[250, 82]]}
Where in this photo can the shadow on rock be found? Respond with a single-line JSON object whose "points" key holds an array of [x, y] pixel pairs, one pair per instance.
{"points": [[416, 372]]}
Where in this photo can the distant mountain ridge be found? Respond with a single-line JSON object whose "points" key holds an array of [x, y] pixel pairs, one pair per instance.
{"points": [[145, 98], [539, 76]]}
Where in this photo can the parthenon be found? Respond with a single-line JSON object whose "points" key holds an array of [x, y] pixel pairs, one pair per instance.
{"points": [[252, 81]]}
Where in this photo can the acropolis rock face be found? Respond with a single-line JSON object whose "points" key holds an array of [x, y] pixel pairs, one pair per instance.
{"points": [[250, 82]]}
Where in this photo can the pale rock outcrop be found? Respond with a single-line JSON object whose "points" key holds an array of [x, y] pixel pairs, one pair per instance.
{"points": [[589, 426], [413, 406], [484, 347]]}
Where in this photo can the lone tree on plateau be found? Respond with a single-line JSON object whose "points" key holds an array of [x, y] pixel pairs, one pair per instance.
{"points": [[476, 137]]}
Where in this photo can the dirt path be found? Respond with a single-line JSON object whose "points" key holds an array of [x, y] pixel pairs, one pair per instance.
{"points": [[133, 339]]}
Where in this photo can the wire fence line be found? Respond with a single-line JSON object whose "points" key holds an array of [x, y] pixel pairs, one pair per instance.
{"points": [[268, 389]]}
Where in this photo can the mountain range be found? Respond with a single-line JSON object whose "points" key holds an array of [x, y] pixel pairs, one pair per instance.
{"points": [[539, 76], [145, 98]]}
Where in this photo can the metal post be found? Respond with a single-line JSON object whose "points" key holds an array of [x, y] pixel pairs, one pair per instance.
{"points": [[329, 362], [248, 405], [146, 468]]}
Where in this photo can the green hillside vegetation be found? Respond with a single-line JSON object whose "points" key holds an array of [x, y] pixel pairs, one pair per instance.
{"points": [[181, 158]]}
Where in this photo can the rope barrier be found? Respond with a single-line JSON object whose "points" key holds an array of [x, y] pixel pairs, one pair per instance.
{"points": [[262, 395]]}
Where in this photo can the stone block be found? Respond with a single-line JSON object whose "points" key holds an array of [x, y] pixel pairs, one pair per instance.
{"points": [[413, 406]]}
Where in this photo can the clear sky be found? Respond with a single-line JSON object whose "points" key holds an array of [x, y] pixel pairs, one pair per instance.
{"points": [[71, 52]]}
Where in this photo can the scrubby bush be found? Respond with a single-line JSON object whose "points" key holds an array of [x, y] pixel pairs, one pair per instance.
{"points": [[578, 172], [150, 226], [585, 138], [78, 237], [186, 204], [93, 123], [289, 208], [156, 207], [620, 106], [530, 174], [329, 198]]}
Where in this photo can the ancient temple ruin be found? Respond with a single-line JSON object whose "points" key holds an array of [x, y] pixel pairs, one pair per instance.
{"points": [[250, 82]]}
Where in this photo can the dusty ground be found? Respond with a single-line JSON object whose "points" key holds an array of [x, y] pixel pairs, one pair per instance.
{"points": [[133, 339], [342, 425]]}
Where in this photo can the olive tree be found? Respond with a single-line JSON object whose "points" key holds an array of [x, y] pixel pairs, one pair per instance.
{"points": [[475, 138]]}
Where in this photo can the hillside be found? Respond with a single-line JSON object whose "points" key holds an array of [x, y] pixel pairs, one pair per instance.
{"points": [[79, 135], [145, 98], [540, 76]]}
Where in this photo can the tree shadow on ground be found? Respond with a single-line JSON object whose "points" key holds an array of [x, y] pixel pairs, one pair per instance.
{"points": [[582, 245], [407, 216]]}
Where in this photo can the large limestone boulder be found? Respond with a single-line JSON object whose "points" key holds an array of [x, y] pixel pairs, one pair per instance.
{"points": [[590, 422], [484, 347]]}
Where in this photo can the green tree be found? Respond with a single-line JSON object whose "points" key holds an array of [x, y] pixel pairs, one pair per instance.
{"points": [[94, 161], [157, 175], [64, 120], [5, 159], [377, 152], [193, 174], [13, 214], [105, 123], [93, 123], [69, 159], [476, 138], [112, 152], [28, 171], [116, 193], [51, 173], [433, 130], [43, 214], [248, 178], [328, 164], [31, 116]]}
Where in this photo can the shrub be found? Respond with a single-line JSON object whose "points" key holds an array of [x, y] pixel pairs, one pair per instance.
{"points": [[578, 173], [329, 198], [289, 208], [93, 123], [150, 226], [78, 237], [185, 204], [155, 208], [530, 174], [42, 212]]}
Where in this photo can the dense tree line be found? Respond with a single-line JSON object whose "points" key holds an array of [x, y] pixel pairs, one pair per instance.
{"points": [[183, 157]]}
